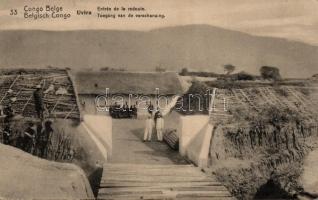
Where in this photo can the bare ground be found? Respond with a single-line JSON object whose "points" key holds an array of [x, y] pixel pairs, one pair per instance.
{"points": [[129, 148]]}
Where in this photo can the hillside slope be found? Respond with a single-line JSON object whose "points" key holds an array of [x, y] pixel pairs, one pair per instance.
{"points": [[199, 47]]}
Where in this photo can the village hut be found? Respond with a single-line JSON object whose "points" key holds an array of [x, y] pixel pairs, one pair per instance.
{"points": [[59, 104], [71, 139], [59, 99], [121, 87]]}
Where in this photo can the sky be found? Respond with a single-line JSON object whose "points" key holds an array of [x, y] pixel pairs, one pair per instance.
{"points": [[290, 19]]}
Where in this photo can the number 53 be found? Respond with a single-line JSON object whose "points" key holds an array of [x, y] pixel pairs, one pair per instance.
{"points": [[13, 12]]}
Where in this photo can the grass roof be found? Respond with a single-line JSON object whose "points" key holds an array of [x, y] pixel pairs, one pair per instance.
{"points": [[19, 84], [120, 82]]}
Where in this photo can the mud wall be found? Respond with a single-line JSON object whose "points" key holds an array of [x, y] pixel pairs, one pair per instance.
{"points": [[86, 154], [34, 178], [245, 156], [194, 138], [100, 130], [190, 127]]}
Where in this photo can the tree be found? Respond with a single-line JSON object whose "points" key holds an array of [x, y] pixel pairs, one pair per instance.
{"points": [[184, 71], [243, 76], [270, 73], [228, 68]]}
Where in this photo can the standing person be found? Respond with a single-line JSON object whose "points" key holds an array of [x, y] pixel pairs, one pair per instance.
{"points": [[1, 110], [29, 137], [7, 132], [150, 107], [149, 125], [134, 111], [38, 101], [8, 112], [116, 110], [159, 125], [39, 130], [131, 111], [44, 139], [111, 110], [125, 111], [8, 115], [20, 140]]}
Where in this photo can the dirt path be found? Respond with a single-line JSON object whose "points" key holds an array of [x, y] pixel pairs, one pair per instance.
{"points": [[151, 170], [128, 146]]}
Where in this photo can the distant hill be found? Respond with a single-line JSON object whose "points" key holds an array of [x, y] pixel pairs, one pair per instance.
{"points": [[198, 47]]}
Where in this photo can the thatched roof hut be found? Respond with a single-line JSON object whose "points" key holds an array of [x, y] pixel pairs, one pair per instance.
{"points": [[19, 84], [119, 82]]}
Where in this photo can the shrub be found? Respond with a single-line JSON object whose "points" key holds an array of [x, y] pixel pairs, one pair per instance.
{"points": [[243, 76], [196, 100], [270, 73], [184, 72]]}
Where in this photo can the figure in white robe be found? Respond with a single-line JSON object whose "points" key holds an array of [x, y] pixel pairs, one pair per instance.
{"points": [[159, 125], [149, 127]]}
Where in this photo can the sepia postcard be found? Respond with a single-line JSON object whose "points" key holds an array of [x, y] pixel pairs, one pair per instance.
{"points": [[159, 99]]}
